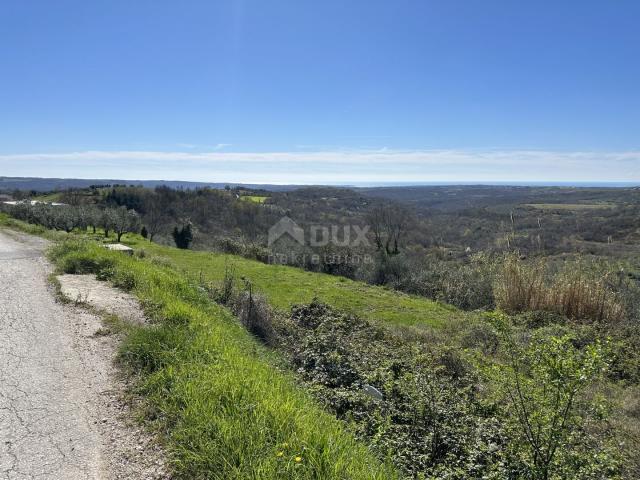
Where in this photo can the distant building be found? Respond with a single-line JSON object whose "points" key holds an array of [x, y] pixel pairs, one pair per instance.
{"points": [[32, 202]]}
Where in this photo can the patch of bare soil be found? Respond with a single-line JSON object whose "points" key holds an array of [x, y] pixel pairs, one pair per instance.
{"points": [[130, 452], [138, 455], [86, 289]]}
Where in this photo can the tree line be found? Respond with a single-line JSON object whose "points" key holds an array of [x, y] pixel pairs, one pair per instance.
{"points": [[119, 220]]}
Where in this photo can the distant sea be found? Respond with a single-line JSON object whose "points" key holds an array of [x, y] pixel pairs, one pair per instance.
{"points": [[488, 183]]}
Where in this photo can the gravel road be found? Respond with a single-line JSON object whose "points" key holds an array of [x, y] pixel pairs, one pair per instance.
{"points": [[61, 412]]}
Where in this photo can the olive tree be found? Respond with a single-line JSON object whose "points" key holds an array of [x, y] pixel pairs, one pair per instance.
{"points": [[124, 221], [107, 220]]}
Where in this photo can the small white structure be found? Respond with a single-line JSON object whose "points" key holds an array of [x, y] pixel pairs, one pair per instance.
{"points": [[373, 392], [118, 247], [33, 203]]}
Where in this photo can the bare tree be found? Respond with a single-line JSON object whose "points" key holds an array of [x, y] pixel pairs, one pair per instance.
{"points": [[93, 217], [156, 217], [65, 218], [389, 223], [376, 219]]}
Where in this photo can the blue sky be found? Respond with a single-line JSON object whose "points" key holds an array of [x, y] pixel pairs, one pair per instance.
{"points": [[296, 91]]}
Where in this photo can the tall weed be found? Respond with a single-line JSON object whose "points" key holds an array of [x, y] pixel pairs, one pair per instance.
{"points": [[577, 292]]}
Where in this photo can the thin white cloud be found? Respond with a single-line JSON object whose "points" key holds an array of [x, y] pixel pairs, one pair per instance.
{"points": [[332, 166], [221, 146], [191, 146]]}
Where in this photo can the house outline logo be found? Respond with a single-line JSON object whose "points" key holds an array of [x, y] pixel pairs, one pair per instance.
{"points": [[285, 226]]}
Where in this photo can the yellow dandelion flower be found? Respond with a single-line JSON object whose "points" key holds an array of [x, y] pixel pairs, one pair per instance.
{"points": [[298, 459], [279, 454]]}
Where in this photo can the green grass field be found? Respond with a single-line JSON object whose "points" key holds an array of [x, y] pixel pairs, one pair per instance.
{"points": [[221, 400], [51, 197], [253, 198], [570, 206], [285, 286]]}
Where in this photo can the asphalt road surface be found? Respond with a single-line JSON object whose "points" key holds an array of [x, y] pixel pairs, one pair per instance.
{"points": [[56, 378]]}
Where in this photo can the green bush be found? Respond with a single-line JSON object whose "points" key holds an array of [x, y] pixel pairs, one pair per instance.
{"points": [[553, 425], [481, 336], [428, 419], [540, 318]]}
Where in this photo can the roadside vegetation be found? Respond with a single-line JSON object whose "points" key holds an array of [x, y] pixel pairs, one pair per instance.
{"points": [[216, 394], [216, 388]]}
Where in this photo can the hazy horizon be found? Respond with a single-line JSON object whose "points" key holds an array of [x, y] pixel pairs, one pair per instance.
{"points": [[345, 185], [335, 167]]}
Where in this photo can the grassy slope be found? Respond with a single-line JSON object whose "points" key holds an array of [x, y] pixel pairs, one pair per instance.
{"points": [[51, 197], [285, 286], [225, 407], [227, 411]]}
